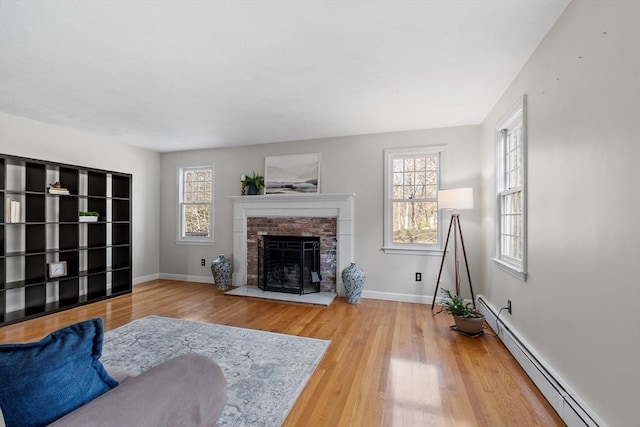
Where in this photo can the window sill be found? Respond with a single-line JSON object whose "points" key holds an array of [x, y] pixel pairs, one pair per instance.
{"points": [[195, 242], [511, 269], [413, 251]]}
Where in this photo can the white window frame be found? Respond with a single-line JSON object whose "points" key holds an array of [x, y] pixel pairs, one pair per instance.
{"points": [[389, 246], [516, 117], [192, 240]]}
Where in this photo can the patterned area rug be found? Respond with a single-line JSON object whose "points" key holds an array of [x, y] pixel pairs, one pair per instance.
{"points": [[265, 371]]}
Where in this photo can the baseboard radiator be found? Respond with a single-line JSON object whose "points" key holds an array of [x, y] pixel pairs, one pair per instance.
{"points": [[572, 411]]}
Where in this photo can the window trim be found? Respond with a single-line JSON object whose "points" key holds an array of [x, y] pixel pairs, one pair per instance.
{"points": [[516, 115], [193, 240], [389, 247]]}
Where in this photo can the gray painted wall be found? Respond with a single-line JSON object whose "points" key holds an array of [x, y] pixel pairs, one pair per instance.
{"points": [[579, 310], [348, 165], [29, 138]]}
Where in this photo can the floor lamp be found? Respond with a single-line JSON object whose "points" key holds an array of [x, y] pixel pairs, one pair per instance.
{"points": [[456, 200]]}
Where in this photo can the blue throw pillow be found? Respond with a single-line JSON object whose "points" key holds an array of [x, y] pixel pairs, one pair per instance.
{"points": [[41, 382]]}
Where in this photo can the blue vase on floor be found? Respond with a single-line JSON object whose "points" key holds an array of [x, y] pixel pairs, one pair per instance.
{"points": [[353, 279], [221, 271]]}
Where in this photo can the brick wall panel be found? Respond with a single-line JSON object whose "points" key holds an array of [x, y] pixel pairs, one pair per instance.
{"points": [[324, 228]]}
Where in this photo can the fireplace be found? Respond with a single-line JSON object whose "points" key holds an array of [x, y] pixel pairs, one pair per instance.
{"points": [[335, 255], [289, 264]]}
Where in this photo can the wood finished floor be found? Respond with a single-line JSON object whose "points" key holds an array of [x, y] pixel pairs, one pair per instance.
{"points": [[389, 363]]}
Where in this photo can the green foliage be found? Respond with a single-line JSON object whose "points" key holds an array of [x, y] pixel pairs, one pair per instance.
{"points": [[196, 220], [83, 213], [419, 234], [257, 180], [456, 306]]}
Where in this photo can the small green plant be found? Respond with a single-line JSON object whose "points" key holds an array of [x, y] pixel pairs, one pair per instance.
{"points": [[255, 180], [83, 213], [456, 306]]}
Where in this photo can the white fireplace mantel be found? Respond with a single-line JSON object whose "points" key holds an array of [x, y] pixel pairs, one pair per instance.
{"points": [[330, 205]]}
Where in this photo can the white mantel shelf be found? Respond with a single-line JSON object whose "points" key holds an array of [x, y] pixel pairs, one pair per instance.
{"points": [[292, 197], [328, 205]]}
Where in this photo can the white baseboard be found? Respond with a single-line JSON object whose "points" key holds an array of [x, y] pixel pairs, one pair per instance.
{"points": [[186, 278], [387, 296], [148, 278], [573, 411], [391, 296]]}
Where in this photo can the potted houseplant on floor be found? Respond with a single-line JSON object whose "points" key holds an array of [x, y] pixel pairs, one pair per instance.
{"points": [[253, 184], [468, 319]]}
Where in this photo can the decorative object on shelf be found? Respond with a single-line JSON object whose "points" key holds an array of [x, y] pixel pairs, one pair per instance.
{"points": [[243, 188], [57, 269], [353, 279], [292, 174], [253, 183], [56, 188], [221, 271], [469, 321], [456, 199], [11, 210], [88, 216]]}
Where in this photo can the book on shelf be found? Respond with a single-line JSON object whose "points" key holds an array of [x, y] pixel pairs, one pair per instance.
{"points": [[62, 191], [15, 211], [7, 209]]}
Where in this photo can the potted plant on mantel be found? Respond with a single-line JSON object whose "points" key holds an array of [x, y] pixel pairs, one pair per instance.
{"points": [[253, 184], [468, 319]]}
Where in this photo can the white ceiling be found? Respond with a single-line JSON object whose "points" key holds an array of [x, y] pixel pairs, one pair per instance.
{"points": [[181, 75]]}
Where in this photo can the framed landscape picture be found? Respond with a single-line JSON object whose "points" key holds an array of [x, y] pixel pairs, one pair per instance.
{"points": [[57, 269], [292, 174]]}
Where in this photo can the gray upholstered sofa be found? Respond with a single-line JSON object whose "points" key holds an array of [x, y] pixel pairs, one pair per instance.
{"points": [[189, 390]]}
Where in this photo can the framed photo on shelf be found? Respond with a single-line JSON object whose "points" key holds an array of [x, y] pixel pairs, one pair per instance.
{"points": [[57, 269], [292, 174]]}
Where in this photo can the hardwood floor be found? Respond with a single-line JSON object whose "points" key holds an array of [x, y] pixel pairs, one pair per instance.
{"points": [[389, 363]]}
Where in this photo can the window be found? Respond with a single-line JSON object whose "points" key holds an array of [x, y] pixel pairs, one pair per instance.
{"points": [[412, 181], [196, 205], [511, 212]]}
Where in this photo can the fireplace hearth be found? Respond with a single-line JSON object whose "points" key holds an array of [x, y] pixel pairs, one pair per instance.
{"points": [[289, 264]]}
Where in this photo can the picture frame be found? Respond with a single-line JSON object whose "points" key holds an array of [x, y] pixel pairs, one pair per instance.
{"points": [[57, 269], [292, 174]]}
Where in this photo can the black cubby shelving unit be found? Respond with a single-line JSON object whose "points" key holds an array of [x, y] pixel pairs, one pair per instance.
{"points": [[47, 229]]}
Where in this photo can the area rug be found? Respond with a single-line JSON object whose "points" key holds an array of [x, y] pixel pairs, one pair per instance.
{"points": [[265, 371], [316, 298]]}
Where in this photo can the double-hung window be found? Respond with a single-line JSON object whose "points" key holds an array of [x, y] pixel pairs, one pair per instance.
{"points": [[412, 181], [511, 202], [195, 205]]}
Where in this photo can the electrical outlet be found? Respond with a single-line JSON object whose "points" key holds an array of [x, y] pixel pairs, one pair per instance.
{"points": [[203, 262], [418, 277], [509, 306]]}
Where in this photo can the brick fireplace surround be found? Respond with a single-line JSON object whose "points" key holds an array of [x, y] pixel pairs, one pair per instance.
{"points": [[324, 228], [328, 216]]}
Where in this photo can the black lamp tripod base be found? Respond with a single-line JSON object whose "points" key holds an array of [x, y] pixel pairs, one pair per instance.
{"points": [[455, 225]]}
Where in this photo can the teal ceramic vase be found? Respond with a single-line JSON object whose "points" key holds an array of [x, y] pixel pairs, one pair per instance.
{"points": [[353, 279], [221, 271]]}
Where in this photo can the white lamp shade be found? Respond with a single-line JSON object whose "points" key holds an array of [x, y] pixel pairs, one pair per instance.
{"points": [[457, 199]]}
